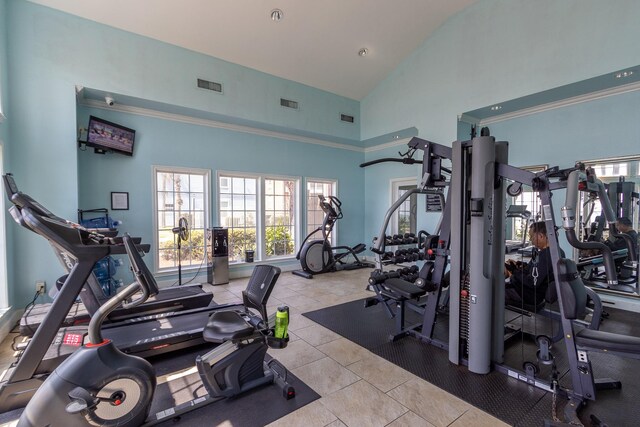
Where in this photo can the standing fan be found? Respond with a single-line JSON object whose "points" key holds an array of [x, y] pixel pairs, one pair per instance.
{"points": [[182, 232]]}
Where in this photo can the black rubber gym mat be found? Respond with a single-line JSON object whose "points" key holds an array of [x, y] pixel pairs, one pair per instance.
{"points": [[255, 408], [506, 398]]}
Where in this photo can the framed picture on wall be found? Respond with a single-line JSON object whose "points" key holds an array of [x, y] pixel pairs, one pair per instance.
{"points": [[119, 201]]}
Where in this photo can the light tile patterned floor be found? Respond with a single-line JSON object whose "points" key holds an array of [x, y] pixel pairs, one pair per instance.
{"points": [[357, 387]]}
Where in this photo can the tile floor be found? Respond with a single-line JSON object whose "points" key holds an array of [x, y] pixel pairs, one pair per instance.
{"points": [[357, 387]]}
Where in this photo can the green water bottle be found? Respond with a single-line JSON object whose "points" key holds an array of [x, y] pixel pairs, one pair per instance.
{"points": [[282, 322]]}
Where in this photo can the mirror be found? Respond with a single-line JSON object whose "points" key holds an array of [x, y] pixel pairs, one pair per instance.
{"points": [[594, 121]]}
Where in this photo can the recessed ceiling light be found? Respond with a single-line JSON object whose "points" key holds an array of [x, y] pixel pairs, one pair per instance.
{"points": [[363, 52], [496, 108], [624, 74], [277, 15]]}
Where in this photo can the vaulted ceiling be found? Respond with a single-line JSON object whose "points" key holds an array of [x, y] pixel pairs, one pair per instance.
{"points": [[315, 42]]}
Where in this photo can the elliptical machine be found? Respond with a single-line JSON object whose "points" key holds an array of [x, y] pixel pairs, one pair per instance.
{"points": [[100, 385], [318, 256]]}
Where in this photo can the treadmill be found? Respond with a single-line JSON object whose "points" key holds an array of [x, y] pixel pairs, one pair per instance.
{"points": [[92, 296], [145, 336]]}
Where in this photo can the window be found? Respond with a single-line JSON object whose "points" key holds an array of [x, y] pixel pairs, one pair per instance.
{"points": [[261, 214], [180, 193], [279, 216], [517, 227], [315, 215], [405, 217], [623, 175], [238, 211], [4, 299]]}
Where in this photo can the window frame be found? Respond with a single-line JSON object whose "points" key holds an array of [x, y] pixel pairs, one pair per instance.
{"points": [[207, 212], [259, 217], [260, 255], [297, 212], [394, 191], [4, 283], [512, 227], [608, 179], [334, 189]]}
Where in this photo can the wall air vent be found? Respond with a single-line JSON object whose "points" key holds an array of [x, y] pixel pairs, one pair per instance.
{"points": [[289, 103], [347, 118], [205, 84]]}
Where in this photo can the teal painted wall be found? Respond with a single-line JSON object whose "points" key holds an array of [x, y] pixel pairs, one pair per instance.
{"points": [[493, 51], [50, 52], [602, 128], [5, 142], [167, 143]]}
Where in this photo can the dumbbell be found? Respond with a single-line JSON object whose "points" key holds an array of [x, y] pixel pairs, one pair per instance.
{"points": [[411, 277], [398, 259], [407, 238], [381, 276]]}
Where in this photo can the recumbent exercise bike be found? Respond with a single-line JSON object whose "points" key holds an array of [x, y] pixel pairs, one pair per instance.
{"points": [[100, 385], [318, 256]]}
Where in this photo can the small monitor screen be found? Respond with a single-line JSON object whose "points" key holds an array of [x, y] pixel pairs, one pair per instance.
{"points": [[104, 135]]}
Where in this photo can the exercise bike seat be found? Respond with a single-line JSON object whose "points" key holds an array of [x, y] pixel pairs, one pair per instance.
{"points": [[234, 325], [226, 325]]}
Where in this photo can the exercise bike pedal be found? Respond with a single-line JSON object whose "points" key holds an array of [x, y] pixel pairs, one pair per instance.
{"points": [[81, 400], [280, 374]]}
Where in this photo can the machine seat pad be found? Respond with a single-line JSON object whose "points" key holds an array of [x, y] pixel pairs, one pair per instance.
{"points": [[226, 325], [359, 248], [601, 340], [403, 288]]}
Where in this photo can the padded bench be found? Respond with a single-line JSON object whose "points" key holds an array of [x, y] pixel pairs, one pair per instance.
{"points": [[401, 291]]}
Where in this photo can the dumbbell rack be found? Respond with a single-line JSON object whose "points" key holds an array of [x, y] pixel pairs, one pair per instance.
{"points": [[400, 256]]}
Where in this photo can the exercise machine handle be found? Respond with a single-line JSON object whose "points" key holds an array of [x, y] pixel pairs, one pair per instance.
{"points": [[144, 282]]}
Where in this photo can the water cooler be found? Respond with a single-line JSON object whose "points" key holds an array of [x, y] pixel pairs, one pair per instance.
{"points": [[218, 255]]}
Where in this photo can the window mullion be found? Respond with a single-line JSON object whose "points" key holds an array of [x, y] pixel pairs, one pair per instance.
{"points": [[260, 216]]}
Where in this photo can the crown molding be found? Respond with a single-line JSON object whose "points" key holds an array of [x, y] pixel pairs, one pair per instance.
{"points": [[396, 143], [618, 90], [217, 124]]}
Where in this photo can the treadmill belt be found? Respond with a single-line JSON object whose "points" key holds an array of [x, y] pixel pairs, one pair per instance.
{"points": [[151, 337]]}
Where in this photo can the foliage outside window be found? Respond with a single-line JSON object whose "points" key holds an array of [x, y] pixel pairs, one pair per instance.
{"points": [[260, 219], [238, 210], [407, 212], [180, 193]]}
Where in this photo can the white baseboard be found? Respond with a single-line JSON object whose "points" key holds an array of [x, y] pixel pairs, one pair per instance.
{"points": [[8, 320]]}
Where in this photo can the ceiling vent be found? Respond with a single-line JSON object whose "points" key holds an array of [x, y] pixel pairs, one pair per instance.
{"points": [[347, 118], [205, 84], [289, 103]]}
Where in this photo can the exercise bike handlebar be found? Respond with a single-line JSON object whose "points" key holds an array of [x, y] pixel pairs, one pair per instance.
{"points": [[145, 283]]}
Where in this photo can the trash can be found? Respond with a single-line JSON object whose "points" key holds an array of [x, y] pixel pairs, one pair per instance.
{"points": [[218, 255], [248, 255]]}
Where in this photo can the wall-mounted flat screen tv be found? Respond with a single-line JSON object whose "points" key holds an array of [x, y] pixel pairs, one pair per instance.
{"points": [[107, 136]]}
